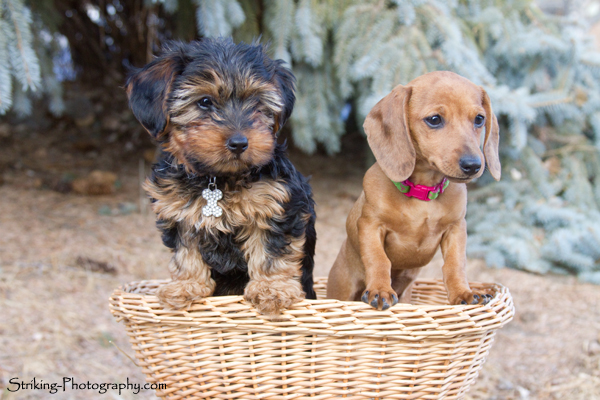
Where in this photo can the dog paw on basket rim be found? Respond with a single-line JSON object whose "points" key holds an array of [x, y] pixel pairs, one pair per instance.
{"points": [[179, 295], [381, 299], [271, 297], [470, 297]]}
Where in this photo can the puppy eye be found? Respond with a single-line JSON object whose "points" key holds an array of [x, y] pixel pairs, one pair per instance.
{"points": [[479, 120], [435, 121], [205, 103]]}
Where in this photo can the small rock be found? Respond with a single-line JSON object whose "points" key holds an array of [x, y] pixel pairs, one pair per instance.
{"points": [[42, 152], [105, 210], [593, 348], [95, 266], [523, 393], [528, 316], [96, 183], [111, 123], [127, 208], [505, 384], [86, 121]]}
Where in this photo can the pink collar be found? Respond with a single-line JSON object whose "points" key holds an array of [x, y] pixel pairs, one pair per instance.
{"points": [[422, 192]]}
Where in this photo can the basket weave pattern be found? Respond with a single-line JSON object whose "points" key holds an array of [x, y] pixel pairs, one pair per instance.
{"points": [[221, 348]]}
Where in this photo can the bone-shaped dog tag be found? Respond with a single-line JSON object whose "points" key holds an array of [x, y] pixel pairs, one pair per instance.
{"points": [[212, 208]]}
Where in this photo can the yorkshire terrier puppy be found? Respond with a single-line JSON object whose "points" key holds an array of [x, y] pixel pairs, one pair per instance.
{"points": [[237, 215]]}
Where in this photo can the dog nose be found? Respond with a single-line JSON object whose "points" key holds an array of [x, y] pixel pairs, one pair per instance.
{"points": [[237, 143], [470, 165]]}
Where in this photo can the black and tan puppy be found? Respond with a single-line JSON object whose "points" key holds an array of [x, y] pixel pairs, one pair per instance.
{"points": [[236, 213]]}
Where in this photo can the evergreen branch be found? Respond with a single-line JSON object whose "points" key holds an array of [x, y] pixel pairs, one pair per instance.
{"points": [[23, 58], [549, 103], [279, 18], [5, 77], [571, 148]]}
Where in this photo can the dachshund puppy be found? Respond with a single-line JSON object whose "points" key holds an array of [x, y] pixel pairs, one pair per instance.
{"points": [[237, 215], [426, 139]]}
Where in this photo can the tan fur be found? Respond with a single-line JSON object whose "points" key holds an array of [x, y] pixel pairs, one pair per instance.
{"points": [[191, 278], [391, 236], [207, 143], [274, 282], [195, 135]]}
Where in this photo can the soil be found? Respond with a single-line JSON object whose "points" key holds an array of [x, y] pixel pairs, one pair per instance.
{"points": [[63, 253]]}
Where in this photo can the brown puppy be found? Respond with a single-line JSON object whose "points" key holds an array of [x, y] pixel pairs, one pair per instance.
{"points": [[425, 133]]}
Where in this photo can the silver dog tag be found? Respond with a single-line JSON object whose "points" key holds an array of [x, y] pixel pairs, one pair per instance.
{"points": [[212, 195]]}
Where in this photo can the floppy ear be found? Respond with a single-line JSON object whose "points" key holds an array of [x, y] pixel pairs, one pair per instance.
{"points": [[389, 137], [286, 82], [148, 89], [492, 138]]}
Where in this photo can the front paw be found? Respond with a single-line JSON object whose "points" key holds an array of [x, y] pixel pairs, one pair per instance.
{"points": [[470, 297], [177, 295], [271, 297], [380, 298]]}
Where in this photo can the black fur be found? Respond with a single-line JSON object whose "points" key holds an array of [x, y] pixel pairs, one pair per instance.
{"points": [[149, 87], [222, 253]]}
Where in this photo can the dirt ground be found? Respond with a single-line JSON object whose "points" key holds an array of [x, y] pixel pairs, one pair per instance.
{"points": [[62, 254]]}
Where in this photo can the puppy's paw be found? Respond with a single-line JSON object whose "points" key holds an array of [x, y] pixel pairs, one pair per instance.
{"points": [[470, 297], [178, 295], [271, 297], [381, 299]]}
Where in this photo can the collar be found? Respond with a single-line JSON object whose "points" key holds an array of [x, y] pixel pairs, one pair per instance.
{"points": [[422, 192]]}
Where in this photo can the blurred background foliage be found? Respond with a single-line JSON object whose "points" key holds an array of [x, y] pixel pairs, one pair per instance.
{"points": [[540, 69]]}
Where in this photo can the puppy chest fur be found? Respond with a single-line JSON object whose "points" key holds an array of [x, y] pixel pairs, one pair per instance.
{"points": [[264, 223]]}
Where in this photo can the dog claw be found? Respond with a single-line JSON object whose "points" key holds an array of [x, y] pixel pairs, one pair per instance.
{"points": [[394, 299], [487, 298], [365, 297], [463, 302], [385, 305], [475, 299], [375, 301]]}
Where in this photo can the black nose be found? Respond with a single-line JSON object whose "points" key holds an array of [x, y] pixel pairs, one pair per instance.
{"points": [[237, 143], [470, 165]]}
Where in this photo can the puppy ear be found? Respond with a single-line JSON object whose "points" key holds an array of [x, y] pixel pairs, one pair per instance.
{"points": [[286, 82], [389, 137], [148, 89], [492, 138]]}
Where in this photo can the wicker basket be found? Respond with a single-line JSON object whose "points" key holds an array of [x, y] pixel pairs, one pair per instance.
{"points": [[221, 348]]}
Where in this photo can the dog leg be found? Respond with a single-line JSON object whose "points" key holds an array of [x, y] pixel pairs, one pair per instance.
{"points": [[346, 277], [454, 252], [274, 280], [403, 282], [191, 279], [378, 293]]}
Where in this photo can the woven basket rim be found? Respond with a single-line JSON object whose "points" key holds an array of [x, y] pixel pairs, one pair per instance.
{"points": [[132, 303]]}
